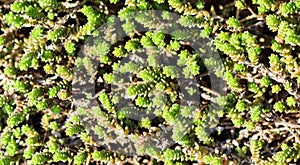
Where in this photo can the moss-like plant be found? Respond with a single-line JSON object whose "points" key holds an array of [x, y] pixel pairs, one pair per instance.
{"points": [[258, 44]]}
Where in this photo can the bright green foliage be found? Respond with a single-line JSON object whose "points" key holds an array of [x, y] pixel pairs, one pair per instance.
{"points": [[114, 1], [48, 4], [140, 88], [158, 39], [53, 125], [64, 71], [223, 36], [75, 119], [84, 137], [148, 75], [145, 122], [31, 140], [4, 161], [56, 34], [241, 106], [41, 105], [265, 81], [240, 4], [75, 129], [47, 56], [291, 101], [62, 156], [20, 86], [237, 119], [174, 45], [232, 81], [177, 5], [17, 7], [171, 71], [276, 46], [256, 112], [200, 4], [27, 61], [2, 101], [282, 29], [119, 52], [240, 68], [193, 67], [14, 120], [53, 145], [287, 154], [228, 49], [14, 20], [142, 102], [70, 48], [53, 91], [253, 54], [146, 41], [212, 160], [63, 95], [12, 148], [10, 71], [287, 86], [289, 8], [94, 19], [125, 13], [275, 62], [55, 109], [101, 155], [29, 152], [173, 154], [183, 140], [183, 56], [265, 5], [34, 94], [279, 106], [273, 22], [205, 33], [8, 108], [50, 15], [17, 133], [33, 12], [255, 147], [2, 40], [5, 138], [276, 89], [132, 45], [79, 158], [253, 87], [233, 22], [109, 78], [292, 38], [106, 102], [40, 158]]}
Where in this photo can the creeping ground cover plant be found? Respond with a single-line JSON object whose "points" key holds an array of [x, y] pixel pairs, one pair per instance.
{"points": [[149, 82]]}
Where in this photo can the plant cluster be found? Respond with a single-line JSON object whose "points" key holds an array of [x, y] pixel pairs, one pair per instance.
{"points": [[258, 43]]}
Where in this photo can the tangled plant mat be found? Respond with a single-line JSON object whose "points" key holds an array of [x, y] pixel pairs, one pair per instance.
{"points": [[149, 82]]}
